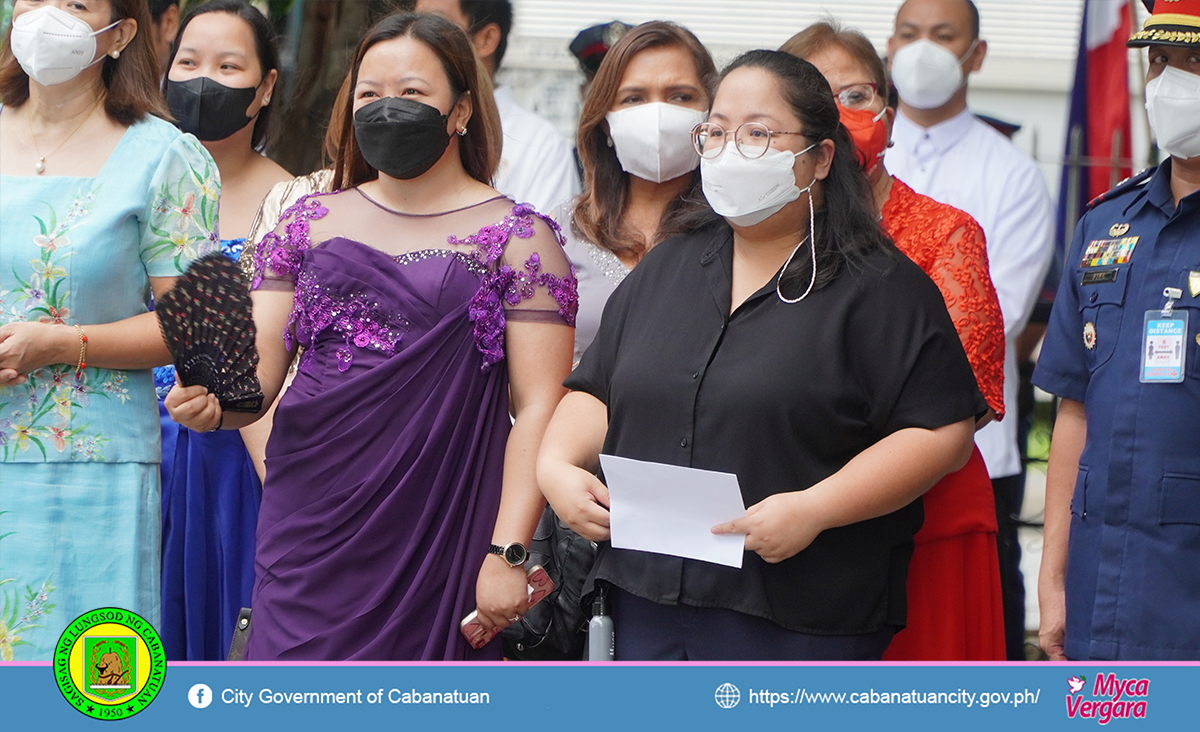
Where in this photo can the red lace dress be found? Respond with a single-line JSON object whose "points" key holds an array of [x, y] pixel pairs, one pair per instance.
{"points": [[954, 605]]}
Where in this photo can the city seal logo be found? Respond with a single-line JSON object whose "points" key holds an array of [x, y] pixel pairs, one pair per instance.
{"points": [[109, 664]]}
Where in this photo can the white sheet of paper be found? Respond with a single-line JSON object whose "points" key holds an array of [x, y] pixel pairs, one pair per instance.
{"points": [[669, 509]]}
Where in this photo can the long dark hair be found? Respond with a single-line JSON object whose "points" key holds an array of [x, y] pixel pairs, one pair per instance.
{"points": [[131, 80], [479, 149], [600, 211], [848, 229], [265, 44]]}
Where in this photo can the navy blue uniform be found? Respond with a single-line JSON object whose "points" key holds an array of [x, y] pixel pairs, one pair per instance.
{"points": [[1133, 566]]}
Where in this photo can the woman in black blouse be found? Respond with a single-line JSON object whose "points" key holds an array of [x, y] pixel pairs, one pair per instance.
{"points": [[831, 382]]}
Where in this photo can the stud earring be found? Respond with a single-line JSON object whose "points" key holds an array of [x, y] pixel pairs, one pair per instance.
{"points": [[115, 55]]}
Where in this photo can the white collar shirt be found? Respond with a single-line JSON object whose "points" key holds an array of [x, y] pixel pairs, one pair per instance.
{"points": [[965, 163], [536, 164]]}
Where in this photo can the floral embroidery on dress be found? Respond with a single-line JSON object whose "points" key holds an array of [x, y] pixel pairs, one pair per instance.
{"points": [[281, 256], [505, 285], [41, 413], [46, 415], [363, 324], [183, 218], [508, 286], [366, 324], [43, 294], [19, 616]]}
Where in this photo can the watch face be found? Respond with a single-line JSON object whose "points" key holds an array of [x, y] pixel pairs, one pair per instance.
{"points": [[515, 554]]}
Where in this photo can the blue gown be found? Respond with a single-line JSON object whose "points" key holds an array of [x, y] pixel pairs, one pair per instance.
{"points": [[210, 499]]}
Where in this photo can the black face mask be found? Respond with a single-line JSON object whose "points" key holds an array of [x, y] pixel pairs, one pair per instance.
{"points": [[208, 109], [401, 137]]}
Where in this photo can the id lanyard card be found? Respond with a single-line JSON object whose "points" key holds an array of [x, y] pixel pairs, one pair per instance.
{"points": [[1164, 349]]}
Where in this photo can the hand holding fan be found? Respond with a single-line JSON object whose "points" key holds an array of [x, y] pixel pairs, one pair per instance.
{"points": [[208, 325]]}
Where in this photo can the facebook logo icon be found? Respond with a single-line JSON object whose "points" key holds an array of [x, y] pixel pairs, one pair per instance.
{"points": [[200, 696]]}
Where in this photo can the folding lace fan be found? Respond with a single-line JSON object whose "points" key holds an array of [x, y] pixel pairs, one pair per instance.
{"points": [[207, 323]]}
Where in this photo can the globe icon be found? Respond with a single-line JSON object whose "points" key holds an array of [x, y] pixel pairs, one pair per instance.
{"points": [[728, 696]]}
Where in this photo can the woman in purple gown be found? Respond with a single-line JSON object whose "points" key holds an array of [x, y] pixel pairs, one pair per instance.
{"points": [[430, 309]]}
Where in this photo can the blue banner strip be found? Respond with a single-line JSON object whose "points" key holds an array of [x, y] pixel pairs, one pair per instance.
{"points": [[520, 697]]}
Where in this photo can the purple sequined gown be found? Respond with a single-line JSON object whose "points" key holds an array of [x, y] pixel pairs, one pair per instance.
{"points": [[385, 460]]}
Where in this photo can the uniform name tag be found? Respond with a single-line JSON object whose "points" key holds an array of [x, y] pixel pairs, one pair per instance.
{"points": [[1099, 277], [1102, 252], [1164, 350]]}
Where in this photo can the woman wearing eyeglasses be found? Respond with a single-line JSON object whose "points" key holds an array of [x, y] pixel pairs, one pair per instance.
{"points": [[955, 607], [828, 378]]}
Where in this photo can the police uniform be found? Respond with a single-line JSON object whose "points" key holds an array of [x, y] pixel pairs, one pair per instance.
{"points": [[1133, 565]]}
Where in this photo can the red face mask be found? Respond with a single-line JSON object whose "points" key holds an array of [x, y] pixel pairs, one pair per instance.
{"points": [[869, 133]]}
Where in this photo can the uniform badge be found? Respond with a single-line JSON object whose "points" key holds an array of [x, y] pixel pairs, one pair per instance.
{"points": [[1089, 335], [1105, 252], [1194, 283], [1118, 230]]}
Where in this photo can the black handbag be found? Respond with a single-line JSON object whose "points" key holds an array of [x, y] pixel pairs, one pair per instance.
{"points": [[556, 628]]}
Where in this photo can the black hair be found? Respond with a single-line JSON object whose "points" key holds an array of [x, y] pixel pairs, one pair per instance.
{"points": [[848, 225], [481, 13], [265, 43], [158, 7]]}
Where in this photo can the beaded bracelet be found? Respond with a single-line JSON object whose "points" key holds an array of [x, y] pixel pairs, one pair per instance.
{"points": [[83, 340]]}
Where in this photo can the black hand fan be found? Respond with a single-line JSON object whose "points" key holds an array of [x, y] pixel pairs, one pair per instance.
{"points": [[208, 325]]}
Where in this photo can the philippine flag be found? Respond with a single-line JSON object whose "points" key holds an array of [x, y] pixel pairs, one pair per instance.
{"points": [[1099, 115]]}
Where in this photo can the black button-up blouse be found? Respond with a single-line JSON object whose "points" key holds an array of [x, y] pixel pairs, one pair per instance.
{"points": [[783, 395]]}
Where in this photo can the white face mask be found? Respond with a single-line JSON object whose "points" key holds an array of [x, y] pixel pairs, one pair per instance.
{"points": [[653, 141], [926, 75], [1173, 105], [747, 192], [54, 46]]}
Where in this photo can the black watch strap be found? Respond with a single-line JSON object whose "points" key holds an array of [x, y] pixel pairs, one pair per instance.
{"points": [[515, 553]]}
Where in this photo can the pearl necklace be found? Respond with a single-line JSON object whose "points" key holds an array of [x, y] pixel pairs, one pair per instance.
{"points": [[40, 166]]}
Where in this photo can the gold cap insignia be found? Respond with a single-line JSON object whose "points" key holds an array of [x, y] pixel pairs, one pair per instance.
{"points": [[1194, 283], [1089, 335], [1118, 229]]}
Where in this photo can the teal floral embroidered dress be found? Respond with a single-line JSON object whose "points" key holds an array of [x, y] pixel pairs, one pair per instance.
{"points": [[79, 488]]}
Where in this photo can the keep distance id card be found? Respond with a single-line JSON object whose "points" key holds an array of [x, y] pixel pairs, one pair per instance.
{"points": [[1164, 347]]}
